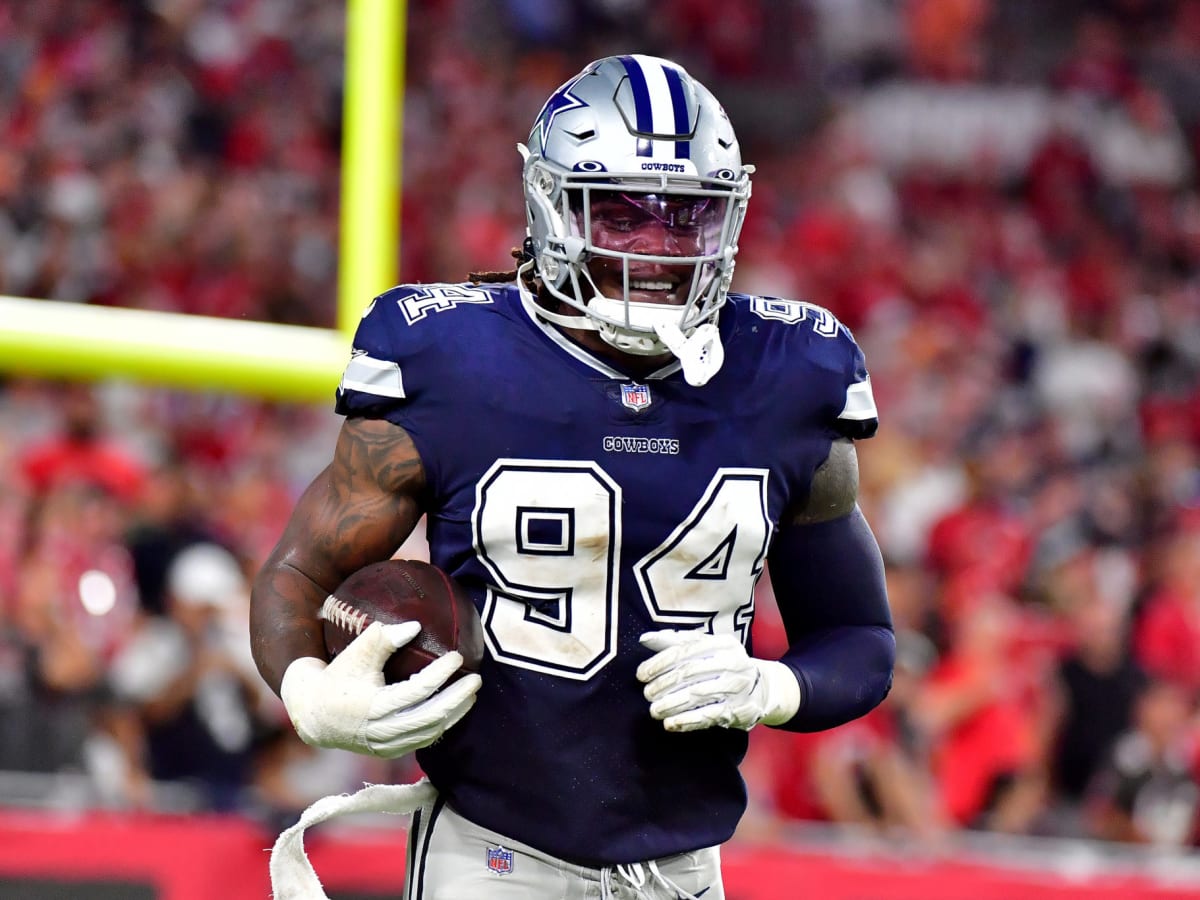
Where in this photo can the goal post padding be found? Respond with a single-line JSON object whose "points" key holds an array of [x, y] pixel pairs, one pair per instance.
{"points": [[369, 237], [50, 338]]}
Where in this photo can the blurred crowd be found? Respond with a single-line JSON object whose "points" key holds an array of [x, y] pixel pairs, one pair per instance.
{"points": [[1025, 283]]}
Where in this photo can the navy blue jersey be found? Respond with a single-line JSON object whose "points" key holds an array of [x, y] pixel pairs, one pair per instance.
{"points": [[581, 508]]}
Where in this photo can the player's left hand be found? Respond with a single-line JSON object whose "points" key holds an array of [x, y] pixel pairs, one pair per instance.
{"points": [[698, 680]]}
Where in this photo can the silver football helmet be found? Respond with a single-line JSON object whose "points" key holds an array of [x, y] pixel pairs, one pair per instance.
{"points": [[635, 194]]}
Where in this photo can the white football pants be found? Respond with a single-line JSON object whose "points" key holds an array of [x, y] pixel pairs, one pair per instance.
{"points": [[450, 858]]}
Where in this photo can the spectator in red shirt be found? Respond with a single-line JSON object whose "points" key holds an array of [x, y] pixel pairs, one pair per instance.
{"points": [[982, 734], [81, 454], [988, 531], [1167, 637]]}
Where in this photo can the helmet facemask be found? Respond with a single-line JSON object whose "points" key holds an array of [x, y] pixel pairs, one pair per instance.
{"points": [[635, 255]]}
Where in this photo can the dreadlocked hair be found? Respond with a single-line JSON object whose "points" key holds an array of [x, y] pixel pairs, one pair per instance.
{"points": [[520, 254], [498, 276]]}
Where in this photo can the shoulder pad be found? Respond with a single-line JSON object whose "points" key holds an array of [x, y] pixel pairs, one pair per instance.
{"points": [[399, 343], [829, 345]]}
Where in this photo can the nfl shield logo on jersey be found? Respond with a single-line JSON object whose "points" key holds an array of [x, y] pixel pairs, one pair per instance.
{"points": [[499, 860], [635, 396]]}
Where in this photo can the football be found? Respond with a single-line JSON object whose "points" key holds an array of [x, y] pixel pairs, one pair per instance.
{"points": [[404, 590]]}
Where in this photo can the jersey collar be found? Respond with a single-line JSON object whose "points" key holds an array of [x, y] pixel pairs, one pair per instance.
{"points": [[579, 352]]}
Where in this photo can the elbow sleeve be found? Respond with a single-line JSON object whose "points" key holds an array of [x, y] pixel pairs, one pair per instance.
{"points": [[829, 583]]}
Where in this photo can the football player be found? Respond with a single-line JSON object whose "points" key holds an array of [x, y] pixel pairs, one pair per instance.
{"points": [[608, 446]]}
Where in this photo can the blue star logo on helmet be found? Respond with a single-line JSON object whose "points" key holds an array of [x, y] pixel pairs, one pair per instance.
{"points": [[560, 101]]}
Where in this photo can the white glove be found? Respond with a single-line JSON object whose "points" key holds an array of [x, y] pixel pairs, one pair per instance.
{"points": [[698, 680], [346, 704]]}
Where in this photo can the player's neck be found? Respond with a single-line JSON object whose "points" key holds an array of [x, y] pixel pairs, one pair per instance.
{"points": [[632, 365], [637, 367]]}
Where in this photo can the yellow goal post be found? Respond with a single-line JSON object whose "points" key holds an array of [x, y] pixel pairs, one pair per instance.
{"points": [[280, 362]]}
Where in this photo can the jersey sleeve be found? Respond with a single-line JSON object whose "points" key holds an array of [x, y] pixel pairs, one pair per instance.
{"points": [[851, 402], [373, 381], [859, 418], [404, 348], [822, 354]]}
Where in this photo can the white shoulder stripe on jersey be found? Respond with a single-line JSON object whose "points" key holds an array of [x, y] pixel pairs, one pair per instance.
{"points": [[374, 376], [860, 402]]}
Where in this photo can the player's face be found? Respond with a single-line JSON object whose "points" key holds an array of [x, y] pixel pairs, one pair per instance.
{"points": [[651, 225]]}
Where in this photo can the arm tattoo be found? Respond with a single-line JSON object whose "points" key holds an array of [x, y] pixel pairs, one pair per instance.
{"points": [[356, 512], [834, 488], [375, 478]]}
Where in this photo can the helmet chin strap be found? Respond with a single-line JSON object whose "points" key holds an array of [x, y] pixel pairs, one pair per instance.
{"points": [[530, 302], [700, 353], [582, 323]]}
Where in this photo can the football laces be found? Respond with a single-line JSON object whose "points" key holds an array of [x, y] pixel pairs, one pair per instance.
{"points": [[343, 615]]}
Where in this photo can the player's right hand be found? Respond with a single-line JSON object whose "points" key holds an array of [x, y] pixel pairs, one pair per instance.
{"points": [[346, 704]]}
